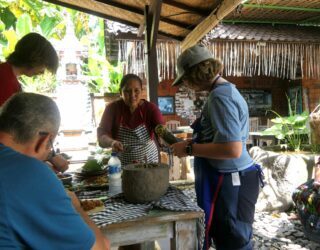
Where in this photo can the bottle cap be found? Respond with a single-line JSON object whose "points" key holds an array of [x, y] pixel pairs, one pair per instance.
{"points": [[114, 154]]}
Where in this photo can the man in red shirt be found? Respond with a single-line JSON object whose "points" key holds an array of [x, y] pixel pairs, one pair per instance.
{"points": [[32, 55]]}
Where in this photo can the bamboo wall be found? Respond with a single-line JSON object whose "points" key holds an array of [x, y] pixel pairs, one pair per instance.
{"points": [[273, 66], [240, 58]]}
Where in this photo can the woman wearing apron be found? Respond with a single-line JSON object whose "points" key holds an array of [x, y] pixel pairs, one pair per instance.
{"points": [[226, 178], [127, 125]]}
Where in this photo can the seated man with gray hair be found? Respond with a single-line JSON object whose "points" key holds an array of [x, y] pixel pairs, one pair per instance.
{"points": [[36, 212]]}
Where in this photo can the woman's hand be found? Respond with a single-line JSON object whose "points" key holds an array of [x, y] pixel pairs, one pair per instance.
{"points": [[116, 146], [179, 148]]}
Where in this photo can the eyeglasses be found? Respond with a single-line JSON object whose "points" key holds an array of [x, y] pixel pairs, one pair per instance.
{"points": [[53, 152]]}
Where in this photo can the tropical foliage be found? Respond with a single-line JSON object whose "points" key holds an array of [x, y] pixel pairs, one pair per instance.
{"points": [[19, 17], [291, 129], [102, 75]]}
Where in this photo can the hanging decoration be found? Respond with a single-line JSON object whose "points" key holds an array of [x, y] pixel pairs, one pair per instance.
{"points": [[282, 60], [241, 58], [132, 52]]}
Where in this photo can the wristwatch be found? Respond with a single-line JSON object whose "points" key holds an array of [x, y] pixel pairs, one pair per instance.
{"points": [[189, 148]]}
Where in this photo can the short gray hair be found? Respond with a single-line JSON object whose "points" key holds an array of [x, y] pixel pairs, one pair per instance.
{"points": [[25, 115]]}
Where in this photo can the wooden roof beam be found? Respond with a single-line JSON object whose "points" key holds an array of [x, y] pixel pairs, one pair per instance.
{"points": [[187, 8], [176, 23], [92, 12], [209, 23], [108, 17], [122, 6], [141, 12]]}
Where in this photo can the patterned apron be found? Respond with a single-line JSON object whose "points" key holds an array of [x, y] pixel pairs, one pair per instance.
{"points": [[137, 143]]}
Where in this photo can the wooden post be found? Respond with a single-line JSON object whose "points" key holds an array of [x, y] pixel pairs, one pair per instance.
{"points": [[152, 17]]}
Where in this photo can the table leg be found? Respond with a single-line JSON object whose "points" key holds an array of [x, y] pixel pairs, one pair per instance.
{"points": [[150, 245], [183, 175], [185, 236]]}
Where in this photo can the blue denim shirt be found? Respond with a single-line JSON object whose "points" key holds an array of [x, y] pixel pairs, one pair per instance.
{"points": [[225, 118]]}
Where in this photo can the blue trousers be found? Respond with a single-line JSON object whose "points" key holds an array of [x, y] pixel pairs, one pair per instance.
{"points": [[229, 210]]}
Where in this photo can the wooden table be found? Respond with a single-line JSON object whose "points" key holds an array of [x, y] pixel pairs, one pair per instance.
{"points": [[179, 227]]}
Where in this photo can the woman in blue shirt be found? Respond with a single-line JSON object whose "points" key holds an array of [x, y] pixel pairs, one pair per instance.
{"points": [[226, 178]]}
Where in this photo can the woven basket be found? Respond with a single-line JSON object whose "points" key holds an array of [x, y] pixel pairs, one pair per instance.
{"points": [[314, 120]]}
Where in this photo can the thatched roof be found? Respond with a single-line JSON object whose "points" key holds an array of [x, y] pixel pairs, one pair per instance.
{"points": [[290, 29], [189, 20]]}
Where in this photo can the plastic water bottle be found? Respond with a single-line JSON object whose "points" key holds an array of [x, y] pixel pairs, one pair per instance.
{"points": [[114, 173]]}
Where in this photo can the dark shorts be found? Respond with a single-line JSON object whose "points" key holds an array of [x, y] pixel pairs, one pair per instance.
{"points": [[230, 211]]}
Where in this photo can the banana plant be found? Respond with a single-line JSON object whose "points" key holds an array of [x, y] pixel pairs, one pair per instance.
{"points": [[115, 76], [19, 17], [103, 77]]}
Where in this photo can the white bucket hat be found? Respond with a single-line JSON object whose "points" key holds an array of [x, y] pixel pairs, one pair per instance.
{"points": [[190, 57]]}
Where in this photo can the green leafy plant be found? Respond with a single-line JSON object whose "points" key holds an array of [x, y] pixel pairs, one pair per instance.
{"points": [[92, 165], [315, 148], [291, 129], [19, 17], [115, 76], [103, 77], [44, 84]]}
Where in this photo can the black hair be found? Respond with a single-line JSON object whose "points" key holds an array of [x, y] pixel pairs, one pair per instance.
{"points": [[127, 78]]}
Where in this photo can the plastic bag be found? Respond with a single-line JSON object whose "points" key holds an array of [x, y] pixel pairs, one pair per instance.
{"points": [[315, 125]]}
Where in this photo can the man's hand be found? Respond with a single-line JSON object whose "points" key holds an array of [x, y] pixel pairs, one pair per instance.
{"points": [[101, 243], [59, 163]]}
